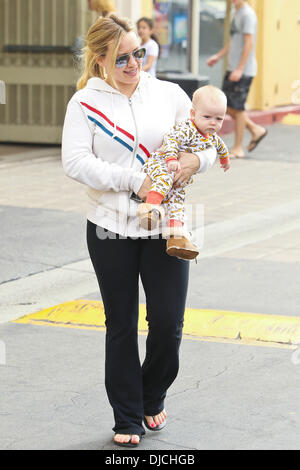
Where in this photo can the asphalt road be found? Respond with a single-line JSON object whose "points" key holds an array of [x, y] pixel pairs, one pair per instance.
{"points": [[227, 395]]}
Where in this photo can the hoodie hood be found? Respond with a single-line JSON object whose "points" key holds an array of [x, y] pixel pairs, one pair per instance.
{"points": [[96, 83]]}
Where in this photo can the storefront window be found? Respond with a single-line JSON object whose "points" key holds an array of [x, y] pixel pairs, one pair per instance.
{"points": [[171, 27], [171, 20], [212, 19]]}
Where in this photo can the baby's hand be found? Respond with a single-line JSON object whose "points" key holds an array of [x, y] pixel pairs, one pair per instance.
{"points": [[173, 166], [225, 166]]}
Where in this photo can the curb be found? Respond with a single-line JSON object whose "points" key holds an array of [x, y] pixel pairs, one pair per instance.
{"points": [[263, 118], [89, 314]]}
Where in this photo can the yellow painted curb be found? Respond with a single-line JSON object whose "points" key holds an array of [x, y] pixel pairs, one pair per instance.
{"points": [[291, 119], [205, 323]]}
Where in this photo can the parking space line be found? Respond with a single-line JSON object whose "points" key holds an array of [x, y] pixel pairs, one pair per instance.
{"points": [[199, 323]]}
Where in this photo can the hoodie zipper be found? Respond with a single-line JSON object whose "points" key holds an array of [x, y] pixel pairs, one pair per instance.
{"points": [[134, 151], [136, 130]]}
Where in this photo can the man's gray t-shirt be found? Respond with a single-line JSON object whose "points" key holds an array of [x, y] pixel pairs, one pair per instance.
{"points": [[244, 22]]}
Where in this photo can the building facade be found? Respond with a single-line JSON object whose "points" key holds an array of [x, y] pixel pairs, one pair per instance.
{"points": [[37, 40]]}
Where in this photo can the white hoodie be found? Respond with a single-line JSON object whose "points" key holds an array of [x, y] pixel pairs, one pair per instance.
{"points": [[107, 137]]}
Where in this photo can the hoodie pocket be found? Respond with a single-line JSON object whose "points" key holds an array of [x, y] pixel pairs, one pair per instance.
{"points": [[110, 201]]}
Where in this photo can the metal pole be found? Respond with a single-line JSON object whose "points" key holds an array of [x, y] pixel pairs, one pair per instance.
{"points": [[195, 34], [2, 92], [226, 32]]}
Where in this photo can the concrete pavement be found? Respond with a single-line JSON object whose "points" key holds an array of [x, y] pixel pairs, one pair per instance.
{"points": [[228, 395], [251, 237]]}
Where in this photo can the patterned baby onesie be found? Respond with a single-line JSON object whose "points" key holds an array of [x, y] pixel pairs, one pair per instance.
{"points": [[184, 137]]}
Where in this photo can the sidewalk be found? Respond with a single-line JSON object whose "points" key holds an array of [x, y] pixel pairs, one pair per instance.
{"points": [[251, 236], [228, 395], [265, 118]]}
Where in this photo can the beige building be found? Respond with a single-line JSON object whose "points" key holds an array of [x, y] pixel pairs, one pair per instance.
{"points": [[278, 54]]}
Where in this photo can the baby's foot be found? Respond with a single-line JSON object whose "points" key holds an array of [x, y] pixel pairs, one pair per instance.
{"points": [[150, 215], [181, 248]]}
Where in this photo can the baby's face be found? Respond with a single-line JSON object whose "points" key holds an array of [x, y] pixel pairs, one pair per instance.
{"points": [[208, 116]]}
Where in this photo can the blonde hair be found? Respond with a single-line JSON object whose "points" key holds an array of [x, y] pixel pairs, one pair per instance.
{"points": [[209, 91], [104, 31]]}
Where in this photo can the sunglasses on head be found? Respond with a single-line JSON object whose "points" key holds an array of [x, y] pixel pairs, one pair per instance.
{"points": [[123, 60]]}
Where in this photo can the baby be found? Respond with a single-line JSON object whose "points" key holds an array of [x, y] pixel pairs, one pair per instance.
{"points": [[194, 135]]}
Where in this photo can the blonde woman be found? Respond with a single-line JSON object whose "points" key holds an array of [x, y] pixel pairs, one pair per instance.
{"points": [[117, 117]]}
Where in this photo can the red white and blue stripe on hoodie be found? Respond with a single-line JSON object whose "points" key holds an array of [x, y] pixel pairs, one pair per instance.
{"points": [[104, 123]]}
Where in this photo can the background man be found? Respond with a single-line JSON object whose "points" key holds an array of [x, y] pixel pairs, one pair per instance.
{"points": [[241, 70]]}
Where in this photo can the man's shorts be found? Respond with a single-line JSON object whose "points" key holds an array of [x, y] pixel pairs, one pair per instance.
{"points": [[236, 92]]}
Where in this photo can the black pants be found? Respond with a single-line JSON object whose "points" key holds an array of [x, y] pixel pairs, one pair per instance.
{"points": [[134, 390]]}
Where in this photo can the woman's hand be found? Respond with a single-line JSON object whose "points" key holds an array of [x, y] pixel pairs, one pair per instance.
{"points": [[190, 164], [145, 188]]}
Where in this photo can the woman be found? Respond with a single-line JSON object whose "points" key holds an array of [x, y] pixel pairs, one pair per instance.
{"points": [[118, 116], [150, 43]]}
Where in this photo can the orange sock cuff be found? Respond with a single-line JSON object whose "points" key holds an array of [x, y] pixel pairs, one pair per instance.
{"points": [[224, 159], [154, 197], [174, 223]]}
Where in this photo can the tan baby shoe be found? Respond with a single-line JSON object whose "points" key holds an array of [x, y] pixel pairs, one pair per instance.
{"points": [[150, 215], [179, 245]]}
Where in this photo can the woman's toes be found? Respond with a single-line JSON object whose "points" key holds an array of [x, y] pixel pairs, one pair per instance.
{"points": [[135, 439], [122, 438], [157, 420], [125, 438], [150, 421]]}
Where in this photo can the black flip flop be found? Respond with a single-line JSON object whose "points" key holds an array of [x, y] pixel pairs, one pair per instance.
{"points": [[255, 142], [129, 443], [158, 427]]}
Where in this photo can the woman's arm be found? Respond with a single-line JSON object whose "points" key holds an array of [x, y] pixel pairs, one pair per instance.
{"points": [[145, 188], [194, 163], [80, 163]]}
